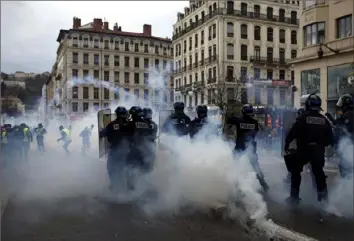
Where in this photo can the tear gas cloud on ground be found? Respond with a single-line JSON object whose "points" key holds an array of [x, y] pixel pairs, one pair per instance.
{"points": [[200, 174]]}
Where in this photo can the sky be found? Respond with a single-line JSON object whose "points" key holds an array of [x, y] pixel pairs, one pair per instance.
{"points": [[29, 29]]}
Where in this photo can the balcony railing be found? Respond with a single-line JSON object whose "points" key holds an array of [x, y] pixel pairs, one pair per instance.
{"points": [[256, 60], [237, 13]]}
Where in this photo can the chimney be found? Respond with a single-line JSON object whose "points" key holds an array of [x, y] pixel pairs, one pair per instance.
{"points": [[147, 29], [115, 27], [120, 28], [97, 24], [76, 23], [105, 25]]}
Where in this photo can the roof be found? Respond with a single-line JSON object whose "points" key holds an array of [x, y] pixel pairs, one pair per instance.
{"points": [[110, 33]]}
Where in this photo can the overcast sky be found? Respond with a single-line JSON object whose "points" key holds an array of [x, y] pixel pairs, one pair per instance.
{"points": [[29, 29]]}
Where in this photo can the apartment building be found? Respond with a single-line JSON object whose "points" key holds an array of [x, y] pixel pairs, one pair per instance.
{"points": [[236, 43], [326, 61], [103, 60]]}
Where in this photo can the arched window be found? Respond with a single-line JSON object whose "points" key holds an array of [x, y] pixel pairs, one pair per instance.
{"points": [[243, 9], [282, 36], [244, 31], [293, 37], [257, 33], [244, 52], [230, 51], [270, 34], [230, 29]]}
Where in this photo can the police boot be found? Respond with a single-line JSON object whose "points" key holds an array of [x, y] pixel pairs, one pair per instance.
{"points": [[294, 196]]}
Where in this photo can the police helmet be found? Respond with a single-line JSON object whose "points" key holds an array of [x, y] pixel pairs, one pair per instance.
{"points": [[136, 111], [23, 125], [345, 102], [247, 110], [313, 102], [178, 106], [300, 111], [120, 111], [61, 127], [202, 110], [147, 113], [40, 125]]}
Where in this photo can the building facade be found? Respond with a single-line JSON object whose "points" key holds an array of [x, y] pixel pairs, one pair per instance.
{"points": [[96, 66], [234, 44], [325, 63]]}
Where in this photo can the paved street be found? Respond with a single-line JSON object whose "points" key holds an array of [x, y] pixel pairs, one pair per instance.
{"points": [[58, 210]]}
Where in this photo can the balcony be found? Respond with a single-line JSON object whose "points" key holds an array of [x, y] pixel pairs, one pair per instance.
{"points": [[211, 80], [273, 82], [256, 60], [210, 59], [237, 13]]}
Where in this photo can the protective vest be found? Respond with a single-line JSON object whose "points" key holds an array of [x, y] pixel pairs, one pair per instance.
{"points": [[67, 134], [4, 137], [40, 131], [26, 136]]}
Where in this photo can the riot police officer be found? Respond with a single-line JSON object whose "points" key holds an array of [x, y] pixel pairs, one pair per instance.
{"points": [[246, 130], [178, 121], [149, 135], [200, 121], [118, 134], [313, 133]]}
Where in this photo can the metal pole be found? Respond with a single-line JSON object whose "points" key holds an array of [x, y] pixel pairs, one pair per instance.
{"points": [[101, 91]]}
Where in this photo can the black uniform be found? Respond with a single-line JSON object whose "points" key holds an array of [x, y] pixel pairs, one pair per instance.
{"points": [[119, 134], [200, 121], [178, 121], [313, 133], [247, 128]]}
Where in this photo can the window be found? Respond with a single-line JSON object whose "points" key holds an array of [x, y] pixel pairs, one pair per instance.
{"points": [[282, 56], [243, 9], [244, 96], [293, 54], [270, 55], [243, 76], [202, 37], [282, 97], [282, 36], [116, 60], [293, 37], [96, 74], [106, 94], [230, 51], [230, 7], [96, 44], [270, 96], [310, 81], [75, 92], [146, 78], [270, 34], [75, 58], [116, 45], [146, 63], [96, 92], [106, 44], [85, 91], [257, 52], [126, 46], [74, 106], [293, 17], [136, 78], [85, 42], [75, 42], [75, 73], [96, 59], [257, 11], [105, 105], [126, 61], [156, 49], [136, 47], [244, 52], [85, 106], [244, 31], [281, 15], [157, 64], [126, 94], [344, 26], [106, 75], [210, 32], [256, 73], [257, 96], [126, 78], [257, 33], [85, 74], [106, 60], [146, 48], [229, 73], [190, 43], [146, 95], [269, 13], [196, 40], [116, 95], [281, 74], [116, 77], [314, 33], [269, 74], [214, 31], [136, 93], [230, 29], [86, 58], [136, 62]]}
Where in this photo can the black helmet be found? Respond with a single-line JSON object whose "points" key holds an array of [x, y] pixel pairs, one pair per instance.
{"points": [[136, 111], [61, 127], [121, 112], [202, 110], [40, 125], [313, 102], [345, 102], [23, 125], [147, 113], [300, 111], [247, 110], [178, 106]]}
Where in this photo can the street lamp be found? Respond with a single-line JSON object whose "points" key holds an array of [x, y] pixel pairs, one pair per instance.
{"points": [[320, 50]]}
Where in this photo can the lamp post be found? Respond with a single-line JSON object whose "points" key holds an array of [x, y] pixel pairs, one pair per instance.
{"points": [[320, 50]]}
